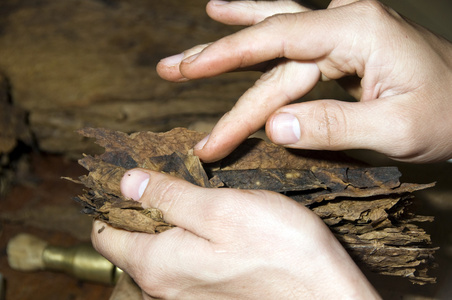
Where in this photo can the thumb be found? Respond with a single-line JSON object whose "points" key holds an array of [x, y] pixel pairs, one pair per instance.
{"points": [[338, 125]]}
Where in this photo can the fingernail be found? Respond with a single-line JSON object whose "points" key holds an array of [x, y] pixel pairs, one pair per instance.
{"points": [[190, 59], [201, 143], [134, 183], [173, 60], [285, 129]]}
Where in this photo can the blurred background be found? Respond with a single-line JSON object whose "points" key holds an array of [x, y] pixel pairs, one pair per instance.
{"points": [[70, 64]]}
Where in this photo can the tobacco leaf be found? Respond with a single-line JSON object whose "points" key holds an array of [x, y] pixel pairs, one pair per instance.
{"points": [[368, 209]]}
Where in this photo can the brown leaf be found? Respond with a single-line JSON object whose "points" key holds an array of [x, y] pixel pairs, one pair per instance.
{"points": [[366, 208]]}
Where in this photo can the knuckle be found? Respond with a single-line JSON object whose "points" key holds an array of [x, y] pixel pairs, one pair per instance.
{"points": [[330, 126], [232, 209], [223, 209], [149, 284], [165, 192], [374, 12], [196, 49], [150, 270], [279, 19], [371, 7], [407, 141], [281, 25]]}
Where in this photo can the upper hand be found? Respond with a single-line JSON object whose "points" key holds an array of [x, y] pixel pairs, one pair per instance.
{"points": [[404, 70], [229, 244]]}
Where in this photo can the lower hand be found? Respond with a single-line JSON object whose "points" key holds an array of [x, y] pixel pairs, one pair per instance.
{"points": [[229, 244]]}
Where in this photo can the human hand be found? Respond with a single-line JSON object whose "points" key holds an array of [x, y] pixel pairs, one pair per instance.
{"points": [[229, 244], [403, 72]]}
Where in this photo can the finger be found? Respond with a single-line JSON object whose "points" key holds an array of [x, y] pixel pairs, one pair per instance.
{"points": [[146, 257], [273, 90], [116, 244], [249, 12], [234, 13], [337, 125], [168, 68], [306, 36], [183, 204]]}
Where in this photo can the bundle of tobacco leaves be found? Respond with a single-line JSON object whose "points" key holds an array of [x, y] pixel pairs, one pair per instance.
{"points": [[366, 208]]}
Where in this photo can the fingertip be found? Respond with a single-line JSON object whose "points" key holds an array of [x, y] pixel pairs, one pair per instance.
{"points": [[214, 4], [173, 60], [215, 10], [209, 155], [134, 183], [216, 146], [284, 129], [206, 156], [200, 145], [203, 152], [218, 2], [198, 150], [170, 73]]}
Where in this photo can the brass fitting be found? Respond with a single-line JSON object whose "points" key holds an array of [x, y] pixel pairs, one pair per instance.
{"points": [[81, 261], [29, 253]]}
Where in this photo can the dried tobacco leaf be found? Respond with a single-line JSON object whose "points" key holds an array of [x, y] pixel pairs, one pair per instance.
{"points": [[366, 208]]}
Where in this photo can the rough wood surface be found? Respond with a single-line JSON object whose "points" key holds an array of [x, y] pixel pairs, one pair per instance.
{"points": [[366, 208]]}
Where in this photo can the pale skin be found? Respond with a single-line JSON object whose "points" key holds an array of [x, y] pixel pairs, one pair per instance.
{"points": [[229, 244], [233, 244]]}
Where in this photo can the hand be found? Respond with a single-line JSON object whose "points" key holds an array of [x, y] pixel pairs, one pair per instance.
{"points": [[400, 72], [229, 244]]}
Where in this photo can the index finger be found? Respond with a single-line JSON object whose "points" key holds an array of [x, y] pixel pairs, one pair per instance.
{"points": [[232, 13], [296, 36], [339, 39]]}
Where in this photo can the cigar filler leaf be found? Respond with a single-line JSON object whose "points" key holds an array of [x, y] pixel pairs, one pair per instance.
{"points": [[367, 208]]}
